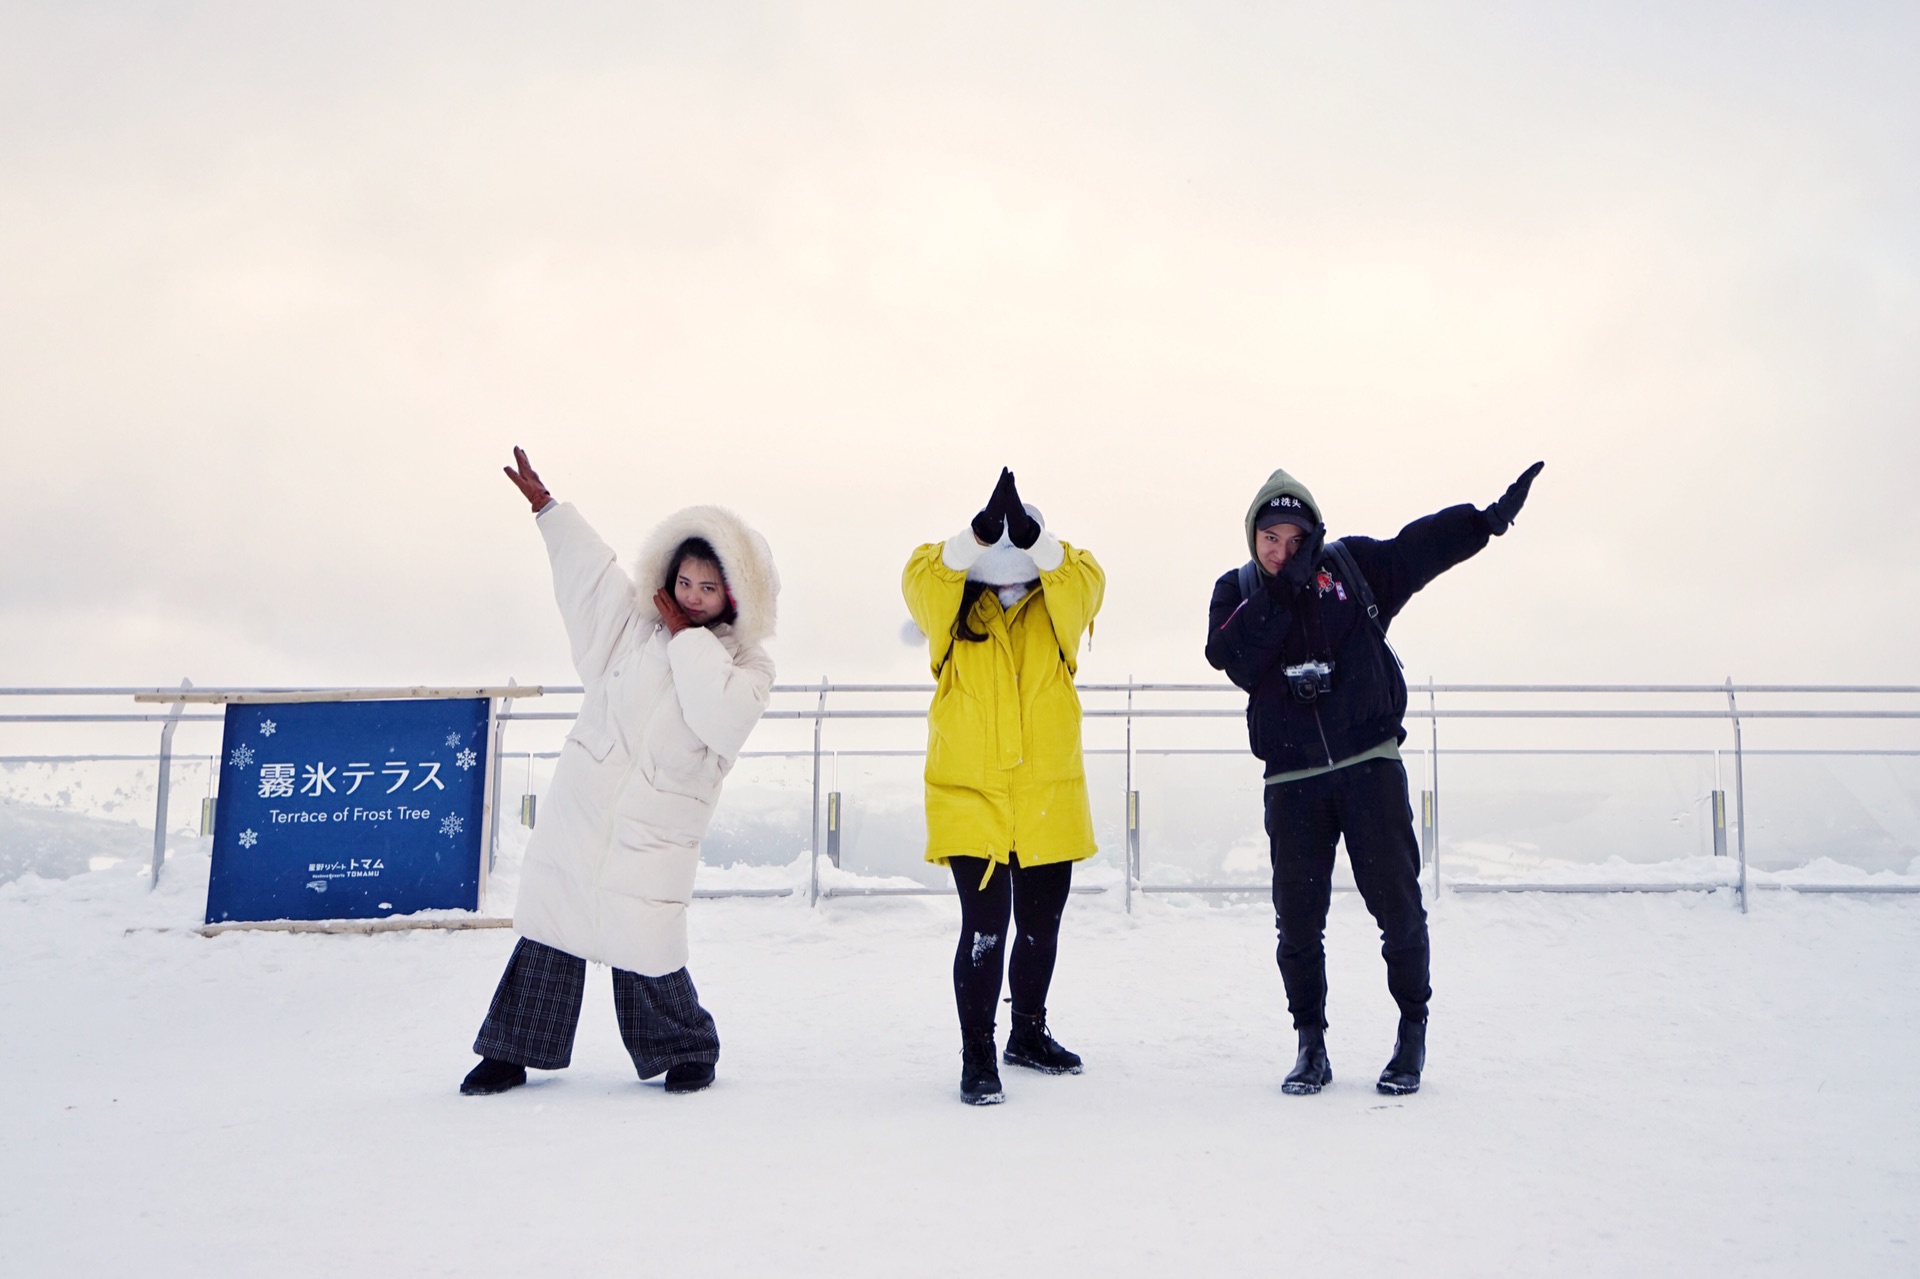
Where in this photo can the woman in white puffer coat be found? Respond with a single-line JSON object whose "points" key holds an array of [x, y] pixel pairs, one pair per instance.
{"points": [[675, 681]]}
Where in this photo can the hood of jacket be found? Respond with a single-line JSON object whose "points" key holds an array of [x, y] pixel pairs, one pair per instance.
{"points": [[1279, 484], [745, 560]]}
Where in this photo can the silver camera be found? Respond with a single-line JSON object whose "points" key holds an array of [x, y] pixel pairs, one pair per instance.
{"points": [[1309, 680]]}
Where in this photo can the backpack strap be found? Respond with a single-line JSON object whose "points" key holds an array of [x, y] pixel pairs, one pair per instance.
{"points": [[1249, 579], [1350, 569]]}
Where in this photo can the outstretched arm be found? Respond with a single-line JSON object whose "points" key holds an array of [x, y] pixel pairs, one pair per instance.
{"points": [[1431, 545]]}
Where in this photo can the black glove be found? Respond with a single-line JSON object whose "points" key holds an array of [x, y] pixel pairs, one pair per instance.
{"points": [[1299, 567], [992, 518], [1500, 515], [1022, 529]]}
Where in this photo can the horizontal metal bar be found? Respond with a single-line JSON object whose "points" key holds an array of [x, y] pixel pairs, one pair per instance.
{"points": [[148, 758], [455, 925], [225, 696], [1262, 889], [742, 892], [172, 694], [1474, 887], [1677, 689], [929, 892], [1841, 888], [110, 719]]}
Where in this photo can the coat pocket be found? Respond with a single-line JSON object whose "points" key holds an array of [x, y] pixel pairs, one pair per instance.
{"points": [[1053, 733], [957, 740], [593, 732], [598, 745], [651, 815]]}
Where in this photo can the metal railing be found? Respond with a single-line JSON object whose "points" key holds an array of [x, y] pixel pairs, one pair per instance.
{"points": [[1122, 702]]}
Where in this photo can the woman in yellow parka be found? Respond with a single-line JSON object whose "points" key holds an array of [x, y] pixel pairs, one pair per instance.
{"points": [[1004, 604]]}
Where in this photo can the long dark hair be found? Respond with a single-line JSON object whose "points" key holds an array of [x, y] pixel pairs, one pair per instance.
{"points": [[700, 551], [969, 596]]}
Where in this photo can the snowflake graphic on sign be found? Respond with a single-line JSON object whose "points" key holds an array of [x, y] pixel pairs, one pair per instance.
{"points": [[248, 839], [453, 739], [268, 728], [466, 759], [451, 825], [242, 757]]}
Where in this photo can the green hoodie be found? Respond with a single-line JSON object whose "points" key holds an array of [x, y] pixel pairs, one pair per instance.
{"points": [[1279, 484]]}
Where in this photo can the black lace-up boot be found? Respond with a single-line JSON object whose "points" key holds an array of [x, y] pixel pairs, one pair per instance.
{"points": [[492, 1075], [689, 1076], [1402, 1075], [1030, 1044], [1311, 1070], [979, 1076]]}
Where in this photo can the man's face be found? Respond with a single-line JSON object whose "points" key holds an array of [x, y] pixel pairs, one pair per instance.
{"points": [[1275, 544], [700, 591]]}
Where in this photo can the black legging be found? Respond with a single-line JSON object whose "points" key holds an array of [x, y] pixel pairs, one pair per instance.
{"points": [[1035, 897]]}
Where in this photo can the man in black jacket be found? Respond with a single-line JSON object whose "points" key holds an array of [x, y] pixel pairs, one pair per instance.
{"points": [[1303, 629]]}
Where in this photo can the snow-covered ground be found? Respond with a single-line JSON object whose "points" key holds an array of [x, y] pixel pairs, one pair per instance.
{"points": [[1617, 1085]]}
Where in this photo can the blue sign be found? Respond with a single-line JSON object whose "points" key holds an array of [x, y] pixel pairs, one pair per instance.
{"points": [[349, 810]]}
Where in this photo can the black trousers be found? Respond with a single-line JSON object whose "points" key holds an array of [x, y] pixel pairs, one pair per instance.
{"points": [[1035, 897], [536, 1009], [1368, 804]]}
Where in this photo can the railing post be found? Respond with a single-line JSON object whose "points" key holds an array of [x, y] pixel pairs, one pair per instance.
{"points": [[1130, 859], [496, 739], [1739, 791], [1719, 798], [165, 782], [813, 837], [1433, 779]]}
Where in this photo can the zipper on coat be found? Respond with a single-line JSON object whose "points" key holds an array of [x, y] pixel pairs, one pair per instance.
{"points": [[1324, 744]]}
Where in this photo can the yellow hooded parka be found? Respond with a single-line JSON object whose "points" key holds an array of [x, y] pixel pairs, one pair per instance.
{"points": [[1004, 769]]}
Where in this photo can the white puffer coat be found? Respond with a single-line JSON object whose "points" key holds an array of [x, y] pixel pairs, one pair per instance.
{"points": [[610, 867]]}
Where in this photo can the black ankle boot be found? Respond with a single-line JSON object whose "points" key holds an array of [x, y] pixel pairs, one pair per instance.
{"points": [[979, 1076], [1029, 1044], [689, 1076], [1311, 1070], [1402, 1075], [492, 1075]]}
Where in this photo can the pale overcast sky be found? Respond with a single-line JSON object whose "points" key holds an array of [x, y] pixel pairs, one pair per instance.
{"points": [[283, 285]]}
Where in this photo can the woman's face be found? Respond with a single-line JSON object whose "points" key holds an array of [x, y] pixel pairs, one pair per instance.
{"points": [[700, 590]]}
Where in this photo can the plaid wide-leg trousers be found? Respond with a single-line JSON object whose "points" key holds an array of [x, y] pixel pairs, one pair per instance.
{"points": [[537, 1008]]}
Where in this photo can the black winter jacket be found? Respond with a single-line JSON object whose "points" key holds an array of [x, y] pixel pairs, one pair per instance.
{"points": [[1252, 640]]}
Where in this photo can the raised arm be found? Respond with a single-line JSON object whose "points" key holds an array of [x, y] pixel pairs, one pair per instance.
{"points": [[1432, 544], [595, 595]]}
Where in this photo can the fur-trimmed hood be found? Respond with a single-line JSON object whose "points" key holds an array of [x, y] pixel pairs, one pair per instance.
{"points": [[745, 560]]}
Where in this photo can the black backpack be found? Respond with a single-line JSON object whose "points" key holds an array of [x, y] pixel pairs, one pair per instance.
{"points": [[1343, 559]]}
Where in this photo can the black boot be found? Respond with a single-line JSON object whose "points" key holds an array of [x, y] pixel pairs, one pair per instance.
{"points": [[689, 1076], [492, 1075], [1311, 1070], [979, 1076], [1030, 1045], [1402, 1075]]}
